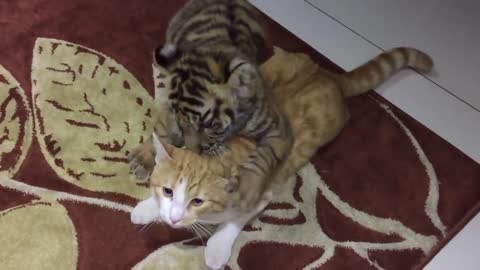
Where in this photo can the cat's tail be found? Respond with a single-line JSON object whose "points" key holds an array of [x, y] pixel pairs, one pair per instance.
{"points": [[380, 68]]}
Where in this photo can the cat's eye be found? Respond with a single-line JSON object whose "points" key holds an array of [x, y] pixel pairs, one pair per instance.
{"points": [[168, 192], [197, 202]]}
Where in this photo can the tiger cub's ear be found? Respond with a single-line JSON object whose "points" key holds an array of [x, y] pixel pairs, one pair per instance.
{"points": [[243, 76], [165, 55]]}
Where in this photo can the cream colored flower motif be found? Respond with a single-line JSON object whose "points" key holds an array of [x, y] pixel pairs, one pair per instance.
{"points": [[80, 97], [39, 234], [174, 256], [16, 126], [90, 111]]}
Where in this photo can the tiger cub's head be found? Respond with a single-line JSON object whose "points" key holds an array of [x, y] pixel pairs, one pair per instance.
{"points": [[211, 97]]}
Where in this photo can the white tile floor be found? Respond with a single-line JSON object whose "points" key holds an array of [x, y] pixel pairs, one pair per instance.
{"points": [[446, 29], [350, 32]]}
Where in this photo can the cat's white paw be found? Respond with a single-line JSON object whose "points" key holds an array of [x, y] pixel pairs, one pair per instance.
{"points": [[145, 212], [217, 251]]}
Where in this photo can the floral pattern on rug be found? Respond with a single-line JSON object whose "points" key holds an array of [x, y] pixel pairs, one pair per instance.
{"points": [[89, 112]]}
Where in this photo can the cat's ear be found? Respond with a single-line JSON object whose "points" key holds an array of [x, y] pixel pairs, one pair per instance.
{"points": [[166, 54], [243, 76], [161, 151]]}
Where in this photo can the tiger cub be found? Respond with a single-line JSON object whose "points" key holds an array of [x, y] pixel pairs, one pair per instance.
{"points": [[216, 91], [191, 190]]}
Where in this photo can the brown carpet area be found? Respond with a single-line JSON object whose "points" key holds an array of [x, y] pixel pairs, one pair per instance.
{"points": [[76, 89]]}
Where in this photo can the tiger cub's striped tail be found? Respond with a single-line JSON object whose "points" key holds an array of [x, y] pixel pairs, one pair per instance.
{"points": [[379, 69]]}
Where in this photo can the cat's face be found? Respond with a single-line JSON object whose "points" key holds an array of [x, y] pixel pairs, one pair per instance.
{"points": [[188, 187]]}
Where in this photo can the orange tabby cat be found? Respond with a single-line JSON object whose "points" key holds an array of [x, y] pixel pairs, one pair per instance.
{"points": [[192, 190]]}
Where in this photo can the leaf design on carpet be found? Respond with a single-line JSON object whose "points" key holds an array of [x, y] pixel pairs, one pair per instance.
{"points": [[16, 126], [79, 96], [54, 195], [90, 111], [312, 235], [431, 202], [50, 244]]}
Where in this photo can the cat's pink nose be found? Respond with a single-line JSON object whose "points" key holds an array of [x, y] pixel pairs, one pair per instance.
{"points": [[175, 221], [176, 214]]}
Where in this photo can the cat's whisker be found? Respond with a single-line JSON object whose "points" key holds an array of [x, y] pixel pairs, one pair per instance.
{"points": [[199, 235], [141, 227], [210, 229], [194, 230], [200, 229], [137, 227], [190, 229], [205, 229], [145, 228], [205, 222]]}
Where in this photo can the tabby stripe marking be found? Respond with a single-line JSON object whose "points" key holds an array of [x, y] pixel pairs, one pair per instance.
{"points": [[188, 110], [192, 186], [247, 11], [274, 154], [404, 55], [205, 115], [192, 101], [230, 115], [214, 10], [211, 27], [187, 28]]}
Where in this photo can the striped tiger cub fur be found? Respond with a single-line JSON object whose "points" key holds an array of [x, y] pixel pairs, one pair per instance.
{"points": [[215, 88], [191, 190], [312, 99]]}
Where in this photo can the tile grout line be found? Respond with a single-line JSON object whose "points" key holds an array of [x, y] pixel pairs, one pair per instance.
{"points": [[378, 47]]}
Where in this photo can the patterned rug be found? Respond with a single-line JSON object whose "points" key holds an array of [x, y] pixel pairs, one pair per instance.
{"points": [[76, 90]]}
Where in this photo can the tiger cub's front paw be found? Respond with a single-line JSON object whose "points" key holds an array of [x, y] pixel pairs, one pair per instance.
{"points": [[138, 172], [142, 161]]}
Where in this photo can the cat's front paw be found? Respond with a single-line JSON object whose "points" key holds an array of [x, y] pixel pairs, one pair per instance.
{"points": [[217, 252], [145, 212]]}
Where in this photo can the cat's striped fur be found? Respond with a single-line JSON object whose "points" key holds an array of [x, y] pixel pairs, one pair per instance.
{"points": [[313, 100], [379, 69]]}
